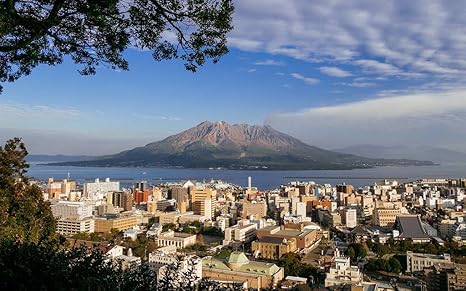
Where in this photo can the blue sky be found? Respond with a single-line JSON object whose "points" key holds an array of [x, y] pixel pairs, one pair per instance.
{"points": [[334, 73]]}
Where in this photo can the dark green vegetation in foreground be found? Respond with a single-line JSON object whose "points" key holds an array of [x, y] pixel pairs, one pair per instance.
{"points": [[33, 256], [238, 146]]}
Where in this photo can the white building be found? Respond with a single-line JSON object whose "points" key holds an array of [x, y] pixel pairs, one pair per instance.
{"points": [[416, 262], [342, 273], [240, 233], [70, 225], [301, 209], [97, 188], [351, 218], [178, 239], [67, 209]]}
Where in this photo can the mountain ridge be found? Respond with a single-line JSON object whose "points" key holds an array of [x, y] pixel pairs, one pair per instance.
{"points": [[237, 146]]}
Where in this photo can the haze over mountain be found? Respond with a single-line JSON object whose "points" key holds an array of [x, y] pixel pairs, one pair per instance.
{"points": [[238, 146], [435, 154]]}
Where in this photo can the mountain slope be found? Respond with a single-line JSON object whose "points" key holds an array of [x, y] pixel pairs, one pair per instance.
{"points": [[238, 146], [436, 154]]}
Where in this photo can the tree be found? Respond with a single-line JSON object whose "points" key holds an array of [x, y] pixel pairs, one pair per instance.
{"points": [[395, 265], [351, 253], [24, 216], [95, 32]]}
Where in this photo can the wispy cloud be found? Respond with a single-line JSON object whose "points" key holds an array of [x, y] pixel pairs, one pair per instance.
{"points": [[335, 72], [155, 117], [269, 62], [394, 38], [252, 70], [11, 109], [419, 118], [307, 80]]}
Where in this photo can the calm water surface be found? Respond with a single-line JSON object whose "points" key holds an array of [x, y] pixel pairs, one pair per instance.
{"points": [[261, 179]]}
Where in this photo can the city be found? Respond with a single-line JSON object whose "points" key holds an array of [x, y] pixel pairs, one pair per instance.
{"points": [[385, 236], [204, 145]]}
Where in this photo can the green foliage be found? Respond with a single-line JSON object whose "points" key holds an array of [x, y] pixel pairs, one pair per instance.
{"points": [[33, 267], [391, 265], [24, 216], [293, 266], [96, 33], [356, 252]]}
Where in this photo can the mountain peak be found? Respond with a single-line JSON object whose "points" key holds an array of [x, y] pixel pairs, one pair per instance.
{"points": [[237, 146]]}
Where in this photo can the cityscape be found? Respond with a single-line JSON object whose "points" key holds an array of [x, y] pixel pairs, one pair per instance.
{"points": [[384, 236], [237, 145]]}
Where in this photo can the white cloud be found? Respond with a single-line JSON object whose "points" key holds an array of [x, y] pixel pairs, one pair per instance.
{"points": [[434, 118], [252, 70], [269, 62], [388, 38], [335, 72], [9, 110], [307, 80]]}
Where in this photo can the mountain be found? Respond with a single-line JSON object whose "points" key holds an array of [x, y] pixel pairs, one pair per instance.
{"points": [[435, 154], [238, 146], [56, 158]]}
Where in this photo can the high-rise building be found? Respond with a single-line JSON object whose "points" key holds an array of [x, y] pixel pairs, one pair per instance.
{"points": [[123, 200], [198, 195], [91, 189], [203, 207]]}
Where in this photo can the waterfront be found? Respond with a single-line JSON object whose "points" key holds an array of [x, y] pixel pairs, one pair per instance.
{"points": [[264, 180]]}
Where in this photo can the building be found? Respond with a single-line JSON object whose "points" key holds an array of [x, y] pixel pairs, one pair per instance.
{"points": [[445, 276], [342, 273], [141, 196], [410, 228], [416, 262], [109, 222], [304, 237], [240, 233], [239, 269], [70, 225], [258, 209], [178, 239], [55, 188], [181, 197], [203, 207], [66, 209], [90, 189], [124, 200], [273, 247], [351, 218], [385, 216]]}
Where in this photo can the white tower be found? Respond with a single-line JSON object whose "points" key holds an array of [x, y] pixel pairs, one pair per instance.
{"points": [[249, 183]]}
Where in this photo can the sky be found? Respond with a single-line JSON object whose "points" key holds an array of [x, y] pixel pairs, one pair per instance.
{"points": [[331, 73]]}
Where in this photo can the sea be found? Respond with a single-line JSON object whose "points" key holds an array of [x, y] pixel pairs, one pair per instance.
{"points": [[262, 179]]}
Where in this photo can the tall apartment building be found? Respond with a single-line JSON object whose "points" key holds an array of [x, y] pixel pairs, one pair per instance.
{"points": [[181, 197], [90, 189], [199, 203], [203, 207], [351, 218], [123, 200]]}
